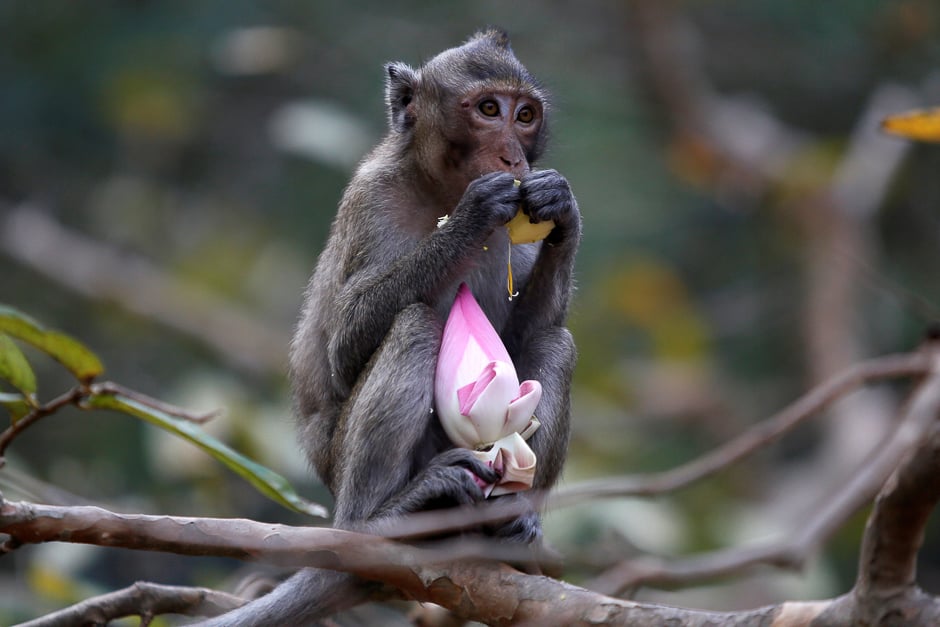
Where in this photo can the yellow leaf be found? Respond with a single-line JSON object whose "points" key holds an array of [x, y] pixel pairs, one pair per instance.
{"points": [[920, 124]]}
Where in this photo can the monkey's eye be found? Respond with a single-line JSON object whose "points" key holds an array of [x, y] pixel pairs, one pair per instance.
{"points": [[489, 108], [526, 114]]}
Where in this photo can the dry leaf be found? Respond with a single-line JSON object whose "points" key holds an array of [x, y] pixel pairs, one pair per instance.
{"points": [[920, 124]]}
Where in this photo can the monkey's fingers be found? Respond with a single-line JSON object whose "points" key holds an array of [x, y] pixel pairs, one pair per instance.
{"points": [[477, 480], [465, 459]]}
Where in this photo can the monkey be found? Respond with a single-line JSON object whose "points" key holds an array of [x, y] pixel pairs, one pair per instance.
{"points": [[465, 130]]}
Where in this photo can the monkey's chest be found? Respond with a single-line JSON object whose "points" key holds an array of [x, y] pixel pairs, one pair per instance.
{"points": [[489, 280]]}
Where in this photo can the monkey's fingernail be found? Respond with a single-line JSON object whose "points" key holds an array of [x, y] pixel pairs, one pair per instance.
{"points": [[480, 483]]}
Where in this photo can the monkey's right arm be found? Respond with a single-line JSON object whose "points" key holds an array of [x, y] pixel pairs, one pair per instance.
{"points": [[371, 298]]}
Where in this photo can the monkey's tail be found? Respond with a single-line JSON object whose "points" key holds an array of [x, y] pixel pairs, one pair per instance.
{"points": [[307, 597]]}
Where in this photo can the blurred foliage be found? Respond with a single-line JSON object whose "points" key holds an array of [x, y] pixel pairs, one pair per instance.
{"points": [[25, 408], [214, 139]]}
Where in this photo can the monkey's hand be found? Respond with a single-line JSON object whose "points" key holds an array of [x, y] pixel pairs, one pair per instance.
{"points": [[453, 477], [489, 201], [546, 195]]}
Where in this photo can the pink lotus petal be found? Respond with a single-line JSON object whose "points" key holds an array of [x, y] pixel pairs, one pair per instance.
{"points": [[454, 345], [491, 396], [522, 408], [460, 430], [489, 457], [518, 463], [468, 394], [471, 317], [530, 428]]}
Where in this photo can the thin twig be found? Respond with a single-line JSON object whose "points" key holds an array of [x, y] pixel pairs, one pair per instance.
{"points": [[754, 439], [142, 599], [76, 395], [72, 397], [109, 387], [920, 416]]}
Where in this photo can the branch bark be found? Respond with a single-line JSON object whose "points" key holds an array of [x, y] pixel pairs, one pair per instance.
{"points": [[477, 590], [141, 599], [756, 438]]}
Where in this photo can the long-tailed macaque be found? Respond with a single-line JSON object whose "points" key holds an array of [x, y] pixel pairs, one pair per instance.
{"points": [[465, 129]]}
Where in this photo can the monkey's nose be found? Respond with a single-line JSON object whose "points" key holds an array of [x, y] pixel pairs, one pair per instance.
{"points": [[517, 166]]}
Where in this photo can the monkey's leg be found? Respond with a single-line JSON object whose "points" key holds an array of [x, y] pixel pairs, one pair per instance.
{"points": [[548, 356], [387, 434], [394, 451]]}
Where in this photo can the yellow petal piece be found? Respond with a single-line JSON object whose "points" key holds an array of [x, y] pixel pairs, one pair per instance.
{"points": [[521, 231], [921, 124]]}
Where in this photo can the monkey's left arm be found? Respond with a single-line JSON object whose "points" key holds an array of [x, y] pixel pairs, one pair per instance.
{"points": [[538, 341], [543, 301], [541, 346]]}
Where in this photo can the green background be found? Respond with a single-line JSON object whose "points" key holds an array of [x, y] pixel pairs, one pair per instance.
{"points": [[210, 141]]}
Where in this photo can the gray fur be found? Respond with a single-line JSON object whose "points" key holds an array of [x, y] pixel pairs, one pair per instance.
{"points": [[365, 350]]}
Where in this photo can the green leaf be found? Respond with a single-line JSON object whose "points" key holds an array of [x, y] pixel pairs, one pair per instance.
{"points": [[68, 351], [16, 404], [14, 368], [265, 480]]}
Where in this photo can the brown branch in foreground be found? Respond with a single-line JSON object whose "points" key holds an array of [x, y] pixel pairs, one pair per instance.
{"points": [[483, 591], [893, 536], [497, 594], [918, 420], [411, 570], [754, 439], [141, 599], [247, 540]]}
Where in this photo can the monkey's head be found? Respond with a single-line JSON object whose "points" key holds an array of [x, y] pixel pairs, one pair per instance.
{"points": [[468, 111]]}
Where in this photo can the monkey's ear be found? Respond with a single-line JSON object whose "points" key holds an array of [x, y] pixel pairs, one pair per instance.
{"points": [[401, 83]]}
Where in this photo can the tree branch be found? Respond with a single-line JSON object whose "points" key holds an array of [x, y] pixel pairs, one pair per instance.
{"points": [[79, 396], [893, 536], [9, 434], [919, 418], [757, 437], [141, 599], [453, 575], [281, 545]]}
